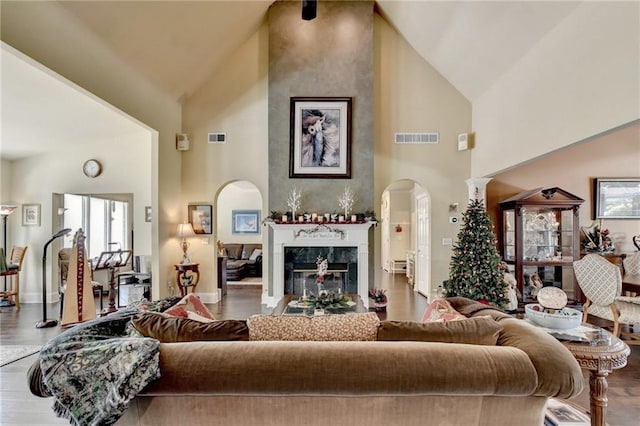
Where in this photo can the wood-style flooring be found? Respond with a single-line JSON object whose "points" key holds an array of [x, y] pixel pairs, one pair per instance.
{"points": [[19, 407]]}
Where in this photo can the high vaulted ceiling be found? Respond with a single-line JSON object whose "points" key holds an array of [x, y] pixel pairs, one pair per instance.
{"points": [[178, 44]]}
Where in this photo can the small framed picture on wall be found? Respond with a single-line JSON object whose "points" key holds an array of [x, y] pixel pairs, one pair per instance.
{"points": [[31, 215], [245, 221], [200, 217]]}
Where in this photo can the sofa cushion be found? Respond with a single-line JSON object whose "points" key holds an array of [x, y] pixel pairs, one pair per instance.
{"points": [[190, 304], [234, 251], [255, 254], [168, 329], [441, 310], [36, 385], [247, 249], [348, 327], [475, 331]]}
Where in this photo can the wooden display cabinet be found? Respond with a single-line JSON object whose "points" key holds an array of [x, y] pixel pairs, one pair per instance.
{"points": [[540, 235]]}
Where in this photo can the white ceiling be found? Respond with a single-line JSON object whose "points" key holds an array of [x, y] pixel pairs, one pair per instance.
{"points": [[177, 45]]}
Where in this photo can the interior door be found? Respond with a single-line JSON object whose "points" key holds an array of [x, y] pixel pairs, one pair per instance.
{"points": [[423, 252], [385, 234]]}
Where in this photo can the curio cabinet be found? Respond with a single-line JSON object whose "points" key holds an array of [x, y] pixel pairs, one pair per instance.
{"points": [[540, 240]]}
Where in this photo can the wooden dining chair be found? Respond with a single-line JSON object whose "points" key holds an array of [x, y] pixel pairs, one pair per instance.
{"points": [[12, 275]]}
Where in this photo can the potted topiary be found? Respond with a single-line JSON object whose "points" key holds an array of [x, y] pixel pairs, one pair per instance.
{"points": [[379, 297]]}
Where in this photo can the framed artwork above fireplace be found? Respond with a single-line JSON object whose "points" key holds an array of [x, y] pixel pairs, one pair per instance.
{"points": [[320, 142]]}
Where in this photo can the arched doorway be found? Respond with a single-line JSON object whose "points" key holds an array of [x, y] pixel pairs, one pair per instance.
{"points": [[238, 223], [406, 233]]}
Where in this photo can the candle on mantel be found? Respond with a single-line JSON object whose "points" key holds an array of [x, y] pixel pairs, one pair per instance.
{"points": [[320, 219], [354, 218], [340, 218], [300, 218], [314, 217], [284, 217], [327, 216]]}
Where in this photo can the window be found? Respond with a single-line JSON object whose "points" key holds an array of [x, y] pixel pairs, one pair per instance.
{"points": [[105, 222]]}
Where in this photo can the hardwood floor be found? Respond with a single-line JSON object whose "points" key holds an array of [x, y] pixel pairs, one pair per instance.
{"points": [[19, 407]]}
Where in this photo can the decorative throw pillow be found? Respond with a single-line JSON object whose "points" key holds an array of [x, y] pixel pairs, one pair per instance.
{"points": [[255, 254], [176, 329], [189, 303], [482, 330], [441, 310], [234, 251], [348, 327]]}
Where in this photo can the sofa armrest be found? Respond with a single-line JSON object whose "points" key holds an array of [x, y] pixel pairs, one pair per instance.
{"points": [[559, 373]]}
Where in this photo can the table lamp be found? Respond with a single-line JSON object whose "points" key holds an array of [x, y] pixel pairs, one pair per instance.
{"points": [[185, 230]]}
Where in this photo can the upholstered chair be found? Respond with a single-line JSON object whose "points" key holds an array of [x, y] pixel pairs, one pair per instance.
{"points": [[631, 264], [601, 283]]}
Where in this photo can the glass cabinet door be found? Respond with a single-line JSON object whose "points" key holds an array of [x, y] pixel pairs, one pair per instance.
{"points": [[541, 236], [509, 233], [566, 236]]}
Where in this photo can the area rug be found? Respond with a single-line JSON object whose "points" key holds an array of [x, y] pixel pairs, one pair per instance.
{"points": [[13, 353]]}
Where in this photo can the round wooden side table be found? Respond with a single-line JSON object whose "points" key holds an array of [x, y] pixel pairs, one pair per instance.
{"points": [[605, 354], [187, 275]]}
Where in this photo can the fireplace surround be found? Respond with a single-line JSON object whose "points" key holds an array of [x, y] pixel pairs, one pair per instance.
{"points": [[345, 242]]}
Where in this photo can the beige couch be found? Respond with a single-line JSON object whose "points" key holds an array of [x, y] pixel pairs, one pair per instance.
{"points": [[383, 382]]}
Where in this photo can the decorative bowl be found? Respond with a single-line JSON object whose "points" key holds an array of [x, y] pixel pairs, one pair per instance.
{"points": [[552, 297], [561, 319]]}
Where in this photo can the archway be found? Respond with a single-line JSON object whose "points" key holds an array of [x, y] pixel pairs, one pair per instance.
{"points": [[239, 228]]}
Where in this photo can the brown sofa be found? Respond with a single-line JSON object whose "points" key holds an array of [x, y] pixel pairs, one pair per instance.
{"points": [[240, 263], [455, 377]]}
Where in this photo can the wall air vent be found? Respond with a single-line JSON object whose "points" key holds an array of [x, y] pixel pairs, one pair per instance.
{"points": [[417, 138], [217, 138]]}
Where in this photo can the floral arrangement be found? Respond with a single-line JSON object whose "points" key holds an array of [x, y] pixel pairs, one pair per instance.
{"points": [[329, 300], [323, 266], [597, 240], [378, 295]]}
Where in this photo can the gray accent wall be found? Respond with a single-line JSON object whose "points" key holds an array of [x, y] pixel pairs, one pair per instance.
{"points": [[330, 56]]}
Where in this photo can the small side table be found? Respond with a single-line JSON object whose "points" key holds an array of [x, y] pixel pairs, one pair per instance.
{"points": [[187, 275], [600, 359]]}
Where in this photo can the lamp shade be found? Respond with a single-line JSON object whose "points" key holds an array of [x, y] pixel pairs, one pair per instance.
{"points": [[7, 209], [185, 230]]}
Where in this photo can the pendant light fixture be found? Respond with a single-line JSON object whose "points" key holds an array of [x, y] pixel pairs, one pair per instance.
{"points": [[309, 9]]}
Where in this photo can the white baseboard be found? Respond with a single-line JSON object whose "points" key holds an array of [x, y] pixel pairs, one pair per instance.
{"points": [[269, 300]]}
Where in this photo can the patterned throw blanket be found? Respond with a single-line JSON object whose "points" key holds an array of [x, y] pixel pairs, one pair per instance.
{"points": [[94, 369]]}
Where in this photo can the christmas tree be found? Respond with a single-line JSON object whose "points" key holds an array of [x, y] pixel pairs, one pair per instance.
{"points": [[474, 271]]}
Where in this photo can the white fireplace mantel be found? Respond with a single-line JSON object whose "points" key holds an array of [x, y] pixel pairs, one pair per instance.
{"points": [[318, 235]]}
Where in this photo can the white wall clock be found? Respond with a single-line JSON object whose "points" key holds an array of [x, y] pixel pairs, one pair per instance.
{"points": [[92, 168]]}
